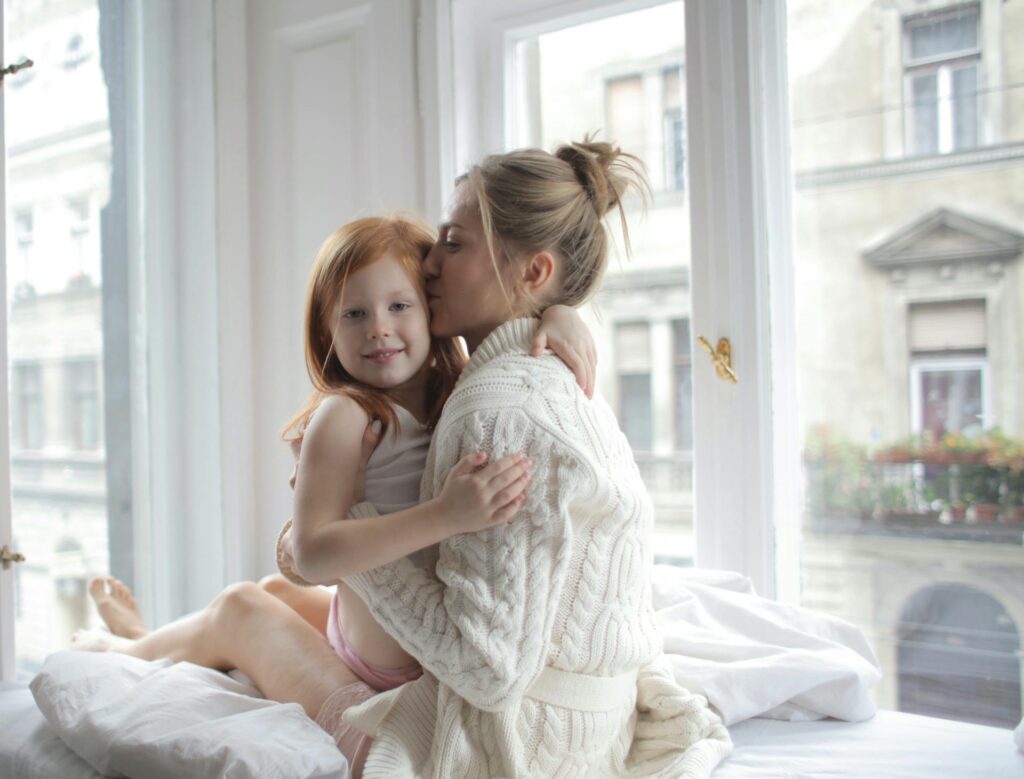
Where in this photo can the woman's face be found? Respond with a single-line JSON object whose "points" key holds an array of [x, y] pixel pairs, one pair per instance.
{"points": [[463, 292]]}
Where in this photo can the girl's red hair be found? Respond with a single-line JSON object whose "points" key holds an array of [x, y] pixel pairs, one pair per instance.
{"points": [[347, 250]]}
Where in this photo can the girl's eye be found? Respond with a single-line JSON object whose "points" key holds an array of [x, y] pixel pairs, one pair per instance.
{"points": [[354, 313], [451, 245], [400, 306]]}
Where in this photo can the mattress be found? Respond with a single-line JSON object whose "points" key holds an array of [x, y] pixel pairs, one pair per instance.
{"points": [[889, 746]]}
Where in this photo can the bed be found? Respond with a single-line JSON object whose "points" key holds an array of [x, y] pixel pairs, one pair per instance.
{"points": [[792, 685], [889, 746]]}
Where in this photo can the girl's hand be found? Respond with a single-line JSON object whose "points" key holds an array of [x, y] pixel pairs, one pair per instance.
{"points": [[476, 497], [563, 332]]}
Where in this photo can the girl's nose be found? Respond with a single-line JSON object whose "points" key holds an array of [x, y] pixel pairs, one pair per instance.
{"points": [[378, 327]]}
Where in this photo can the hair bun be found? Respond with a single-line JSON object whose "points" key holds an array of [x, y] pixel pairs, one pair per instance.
{"points": [[604, 171]]}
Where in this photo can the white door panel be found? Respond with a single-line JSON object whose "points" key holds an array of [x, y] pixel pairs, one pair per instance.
{"points": [[334, 136]]}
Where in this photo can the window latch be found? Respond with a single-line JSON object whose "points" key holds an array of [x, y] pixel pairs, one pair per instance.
{"points": [[7, 557], [10, 70], [721, 357]]}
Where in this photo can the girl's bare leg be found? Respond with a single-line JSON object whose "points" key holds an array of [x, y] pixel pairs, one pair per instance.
{"points": [[311, 603], [246, 627]]}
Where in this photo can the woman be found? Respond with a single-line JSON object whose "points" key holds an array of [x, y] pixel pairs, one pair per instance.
{"points": [[538, 636]]}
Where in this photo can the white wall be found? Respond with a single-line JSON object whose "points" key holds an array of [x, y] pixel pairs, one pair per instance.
{"points": [[318, 124]]}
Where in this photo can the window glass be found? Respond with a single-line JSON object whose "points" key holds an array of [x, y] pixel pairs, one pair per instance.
{"points": [[909, 289], [58, 151], [946, 36]]}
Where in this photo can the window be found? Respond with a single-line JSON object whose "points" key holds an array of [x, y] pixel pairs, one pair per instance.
{"points": [[624, 105], [909, 315], [62, 158], [28, 423], [683, 370], [948, 367], [633, 364], [942, 60], [674, 127], [83, 404]]}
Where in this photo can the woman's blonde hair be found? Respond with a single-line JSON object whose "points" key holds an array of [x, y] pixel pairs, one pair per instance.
{"points": [[347, 250], [531, 201]]}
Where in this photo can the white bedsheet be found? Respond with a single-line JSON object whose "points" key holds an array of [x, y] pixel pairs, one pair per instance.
{"points": [[889, 746], [751, 656]]}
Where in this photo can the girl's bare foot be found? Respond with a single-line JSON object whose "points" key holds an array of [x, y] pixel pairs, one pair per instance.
{"points": [[117, 607], [98, 641]]}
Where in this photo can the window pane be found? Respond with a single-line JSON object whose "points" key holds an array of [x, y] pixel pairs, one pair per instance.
{"points": [[925, 113], [948, 35], [965, 108], [909, 325], [951, 402], [623, 76], [59, 177]]}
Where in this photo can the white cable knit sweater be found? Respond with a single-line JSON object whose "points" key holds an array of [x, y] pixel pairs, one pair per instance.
{"points": [[565, 585]]}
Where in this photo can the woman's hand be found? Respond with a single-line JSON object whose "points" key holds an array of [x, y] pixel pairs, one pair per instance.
{"points": [[477, 496], [563, 332]]}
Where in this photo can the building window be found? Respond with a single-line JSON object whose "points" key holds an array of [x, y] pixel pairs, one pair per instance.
{"points": [[27, 420], [624, 111], [79, 226], [683, 380], [674, 124], [83, 404], [633, 365], [942, 68], [948, 368]]}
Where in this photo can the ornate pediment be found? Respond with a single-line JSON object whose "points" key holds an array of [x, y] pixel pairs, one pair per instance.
{"points": [[942, 236]]}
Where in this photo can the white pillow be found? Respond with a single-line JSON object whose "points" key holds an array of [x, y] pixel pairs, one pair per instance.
{"points": [[129, 717]]}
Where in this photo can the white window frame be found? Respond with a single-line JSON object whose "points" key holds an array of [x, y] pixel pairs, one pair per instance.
{"points": [[747, 489], [919, 365]]}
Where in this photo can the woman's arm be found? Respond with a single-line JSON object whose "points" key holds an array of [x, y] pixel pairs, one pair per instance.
{"points": [[475, 495], [562, 331], [480, 622]]}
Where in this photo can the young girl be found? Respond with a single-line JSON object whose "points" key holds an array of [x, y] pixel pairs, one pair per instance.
{"points": [[370, 355]]}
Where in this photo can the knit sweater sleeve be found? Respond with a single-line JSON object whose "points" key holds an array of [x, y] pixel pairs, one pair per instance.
{"points": [[480, 621]]}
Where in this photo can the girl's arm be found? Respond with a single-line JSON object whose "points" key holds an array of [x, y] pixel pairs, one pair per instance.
{"points": [[475, 496], [562, 331]]}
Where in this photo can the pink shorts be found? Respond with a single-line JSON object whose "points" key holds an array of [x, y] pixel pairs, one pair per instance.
{"points": [[378, 678], [352, 742]]}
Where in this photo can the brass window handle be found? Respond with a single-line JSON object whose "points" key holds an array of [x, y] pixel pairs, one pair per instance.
{"points": [[7, 557], [10, 70], [721, 356]]}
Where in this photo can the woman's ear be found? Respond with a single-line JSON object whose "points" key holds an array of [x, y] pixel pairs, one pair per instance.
{"points": [[538, 273]]}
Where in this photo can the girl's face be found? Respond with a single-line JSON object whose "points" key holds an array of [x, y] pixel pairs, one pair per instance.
{"points": [[463, 292], [381, 329]]}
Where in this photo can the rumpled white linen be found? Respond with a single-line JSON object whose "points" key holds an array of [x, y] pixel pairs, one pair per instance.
{"points": [[755, 657], [750, 656], [131, 718]]}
